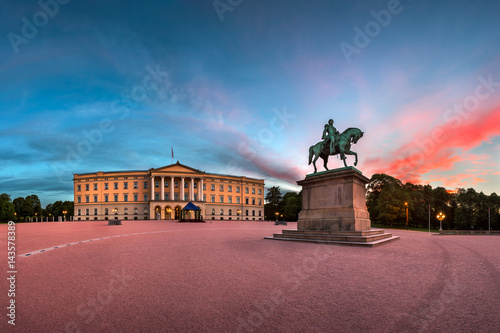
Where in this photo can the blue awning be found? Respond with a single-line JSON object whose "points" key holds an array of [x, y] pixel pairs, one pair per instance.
{"points": [[190, 206]]}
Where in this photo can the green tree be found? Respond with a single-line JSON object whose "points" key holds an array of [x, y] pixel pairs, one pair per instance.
{"points": [[292, 204], [273, 202], [7, 208]]}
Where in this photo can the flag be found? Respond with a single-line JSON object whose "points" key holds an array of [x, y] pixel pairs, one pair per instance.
{"points": [[172, 152]]}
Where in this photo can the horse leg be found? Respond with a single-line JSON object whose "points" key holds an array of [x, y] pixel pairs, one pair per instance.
{"points": [[350, 152], [325, 160], [314, 162]]}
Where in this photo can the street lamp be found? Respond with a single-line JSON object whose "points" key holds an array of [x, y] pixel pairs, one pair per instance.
{"points": [[238, 212], [15, 216], [406, 208], [169, 210], [440, 217], [64, 214], [277, 214]]}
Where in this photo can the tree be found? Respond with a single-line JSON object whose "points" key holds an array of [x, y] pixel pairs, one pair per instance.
{"points": [[7, 208], [273, 201], [291, 206]]}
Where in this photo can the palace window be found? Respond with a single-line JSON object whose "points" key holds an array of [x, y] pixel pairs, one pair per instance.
{"points": [[246, 212], [221, 199], [157, 196], [125, 211], [87, 211], [79, 199], [213, 198], [253, 201], [213, 211], [253, 191], [87, 199], [230, 188], [221, 188], [185, 185], [95, 211], [260, 201], [136, 185], [116, 197], [221, 211], [78, 187], [176, 183], [176, 196], [125, 185], [86, 187], [246, 201], [105, 198], [237, 200], [229, 199], [246, 190], [230, 212], [185, 197], [260, 213], [253, 212], [79, 212], [237, 189], [105, 211], [106, 186], [212, 187], [95, 198], [135, 210], [145, 197], [204, 187], [116, 186], [157, 184], [95, 186], [260, 191], [145, 210], [145, 185], [136, 197], [166, 184], [204, 197]]}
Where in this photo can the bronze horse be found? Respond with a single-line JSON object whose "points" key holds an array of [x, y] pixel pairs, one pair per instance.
{"points": [[343, 147]]}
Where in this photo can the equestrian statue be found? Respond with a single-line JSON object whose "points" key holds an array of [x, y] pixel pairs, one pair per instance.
{"points": [[334, 143]]}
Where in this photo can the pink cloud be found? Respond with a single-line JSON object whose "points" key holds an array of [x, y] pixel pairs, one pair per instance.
{"points": [[439, 147]]}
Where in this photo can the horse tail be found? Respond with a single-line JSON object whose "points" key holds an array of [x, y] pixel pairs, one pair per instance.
{"points": [[311, 152]]}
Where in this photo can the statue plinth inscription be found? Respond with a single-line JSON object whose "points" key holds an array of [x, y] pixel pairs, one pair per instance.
{"points": [[334, 201]]}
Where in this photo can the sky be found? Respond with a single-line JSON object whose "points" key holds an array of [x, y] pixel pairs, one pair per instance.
{"points": [[245, 87]]}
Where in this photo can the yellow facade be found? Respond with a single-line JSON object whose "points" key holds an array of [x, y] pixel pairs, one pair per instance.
{"points": [[161, 194]]}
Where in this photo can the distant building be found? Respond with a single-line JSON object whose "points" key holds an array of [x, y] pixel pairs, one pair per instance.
{"points": [[161, 194]]}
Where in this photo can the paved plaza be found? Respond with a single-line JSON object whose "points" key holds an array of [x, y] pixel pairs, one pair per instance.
{"points": [[163, 276]]}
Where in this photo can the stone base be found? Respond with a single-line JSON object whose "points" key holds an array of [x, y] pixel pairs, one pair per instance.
{"points": [[367, 238], [334, 211]]}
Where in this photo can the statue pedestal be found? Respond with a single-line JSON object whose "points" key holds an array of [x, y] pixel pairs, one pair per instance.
{"points": [[334, 200], [334, 211]]}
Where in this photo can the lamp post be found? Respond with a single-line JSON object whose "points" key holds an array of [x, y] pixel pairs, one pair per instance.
{"points": [[64, 215], [406, 208], [15, 216], [169, 210], [440, 217], [36, 217], [277, 214]]}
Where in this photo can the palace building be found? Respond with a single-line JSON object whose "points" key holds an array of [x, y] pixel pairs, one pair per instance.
{"points": [[162, 193]]}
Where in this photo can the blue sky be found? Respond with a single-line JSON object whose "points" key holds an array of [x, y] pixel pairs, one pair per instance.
{"points": [[245, 87]]}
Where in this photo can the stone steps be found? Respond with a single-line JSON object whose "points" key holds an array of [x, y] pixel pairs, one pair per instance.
{"points": [[368, 238]]}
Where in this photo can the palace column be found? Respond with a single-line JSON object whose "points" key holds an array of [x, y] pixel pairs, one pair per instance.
{"points": [[152, 188], [162, 188], [200, 190], [171, 188], [191, 190], [182, 190]]}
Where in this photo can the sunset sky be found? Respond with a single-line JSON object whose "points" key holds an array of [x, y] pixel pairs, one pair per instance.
{"points": [[245, 87]]}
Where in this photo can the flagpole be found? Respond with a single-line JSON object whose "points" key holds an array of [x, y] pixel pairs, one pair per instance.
{"points": [[172, 158]]}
